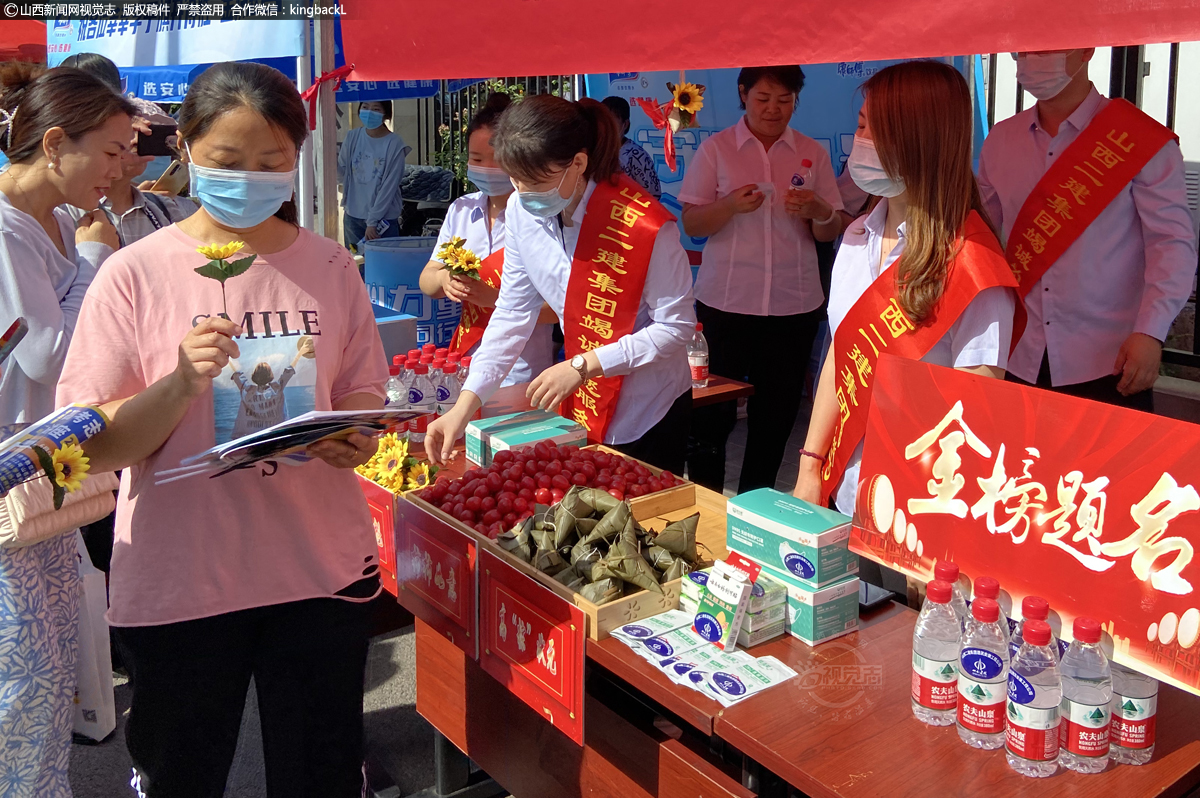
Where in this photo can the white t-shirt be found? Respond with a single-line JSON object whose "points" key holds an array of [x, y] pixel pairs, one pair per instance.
{"points": [[467, 218], [980, 337]]}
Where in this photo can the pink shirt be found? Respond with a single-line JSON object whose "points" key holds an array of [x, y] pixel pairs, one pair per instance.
{"points": [[762, 263], [200, 547]]}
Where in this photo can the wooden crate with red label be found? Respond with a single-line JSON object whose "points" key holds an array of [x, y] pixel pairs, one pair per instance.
{"points": [[383, 505]]}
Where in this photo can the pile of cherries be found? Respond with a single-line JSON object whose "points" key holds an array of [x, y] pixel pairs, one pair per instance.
{"points": [[496, 498]]}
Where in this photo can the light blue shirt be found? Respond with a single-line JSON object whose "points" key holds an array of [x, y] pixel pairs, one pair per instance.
{"points": [[370, 171], [653, 358], [1130, 271]]}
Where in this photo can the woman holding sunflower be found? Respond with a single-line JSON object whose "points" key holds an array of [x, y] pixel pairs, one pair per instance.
{"points": [[475, 222], [758, 289]]}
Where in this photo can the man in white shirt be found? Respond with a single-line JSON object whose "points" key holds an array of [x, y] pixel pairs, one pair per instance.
{"points": [[1099, 315], [763, 194]]}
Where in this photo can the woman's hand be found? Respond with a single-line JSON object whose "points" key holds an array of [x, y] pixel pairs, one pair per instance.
{"points": [[464, 289], [808, 482], [746, 199], [805, 204], [95, 226], [444, 431], [356, 450], [372, 233], [552, 386], [204, 352]]}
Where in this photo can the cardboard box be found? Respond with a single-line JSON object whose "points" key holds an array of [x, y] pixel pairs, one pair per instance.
{"points": [[749, 639], [815, 616], [755, 621], [487, 436], [723, 606], [792, 536], [766, 592]]}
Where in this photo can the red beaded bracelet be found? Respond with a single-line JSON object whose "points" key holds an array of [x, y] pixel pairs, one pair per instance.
{"points": [[813, 455]]}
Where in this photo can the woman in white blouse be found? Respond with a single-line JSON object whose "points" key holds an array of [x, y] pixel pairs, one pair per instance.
{"points": [[758, 292], [577, 221], [478, 218], [913, 152]]}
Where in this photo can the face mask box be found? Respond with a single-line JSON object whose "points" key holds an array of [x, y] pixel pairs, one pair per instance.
{"points": [[487, 436], [749, 639], [771, 617], [807, 542], [765, 592], [722, 606], [814, 616]]}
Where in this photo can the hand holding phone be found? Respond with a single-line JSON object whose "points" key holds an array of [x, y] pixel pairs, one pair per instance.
{"points": [[173, 179], [155, 142]]}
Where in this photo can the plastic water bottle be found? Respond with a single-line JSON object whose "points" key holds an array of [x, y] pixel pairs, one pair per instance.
{"points": [[397, 397], [947, 571], [983, 677], [1134, 706], [1034, 696], [937, 639], [1087, 701], [414, 354], [448, 390], [697, 353], [441, 352], [421, 396], [429, 349], [1033, 608], [989, 587], [803, 178]]}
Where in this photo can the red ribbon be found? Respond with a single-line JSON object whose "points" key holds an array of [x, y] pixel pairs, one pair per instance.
{"points": [[658, 117], [309, 95]]}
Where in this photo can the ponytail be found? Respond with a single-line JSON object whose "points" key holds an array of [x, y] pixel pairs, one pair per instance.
{"points": [[543, 133]]}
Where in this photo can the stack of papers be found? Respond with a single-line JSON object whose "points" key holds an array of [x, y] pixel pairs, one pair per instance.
{"points": [[18, 461], [668, 642], [286, 442]]}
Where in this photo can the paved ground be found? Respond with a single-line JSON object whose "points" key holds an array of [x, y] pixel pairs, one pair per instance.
{"points": [[399, 741]]}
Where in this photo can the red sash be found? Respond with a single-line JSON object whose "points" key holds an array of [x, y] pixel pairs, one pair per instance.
{"points": [[604, 291], [474, 318], [876, 324], [1090, 173]]}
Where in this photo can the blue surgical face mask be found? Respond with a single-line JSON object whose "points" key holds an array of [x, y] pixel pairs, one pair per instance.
{"points": [[370, 119], [240, 200], [545, 204], [491, 180]]}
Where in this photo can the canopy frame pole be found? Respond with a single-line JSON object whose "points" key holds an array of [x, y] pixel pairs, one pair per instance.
{"points": [[325, 137], [306, 192]]}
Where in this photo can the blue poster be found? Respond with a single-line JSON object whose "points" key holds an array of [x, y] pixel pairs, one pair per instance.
{"points": [[131, 43]]}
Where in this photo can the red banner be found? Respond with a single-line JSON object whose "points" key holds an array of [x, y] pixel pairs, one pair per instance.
{"points": [[382, 504], [437, 576], [1092, 507]]}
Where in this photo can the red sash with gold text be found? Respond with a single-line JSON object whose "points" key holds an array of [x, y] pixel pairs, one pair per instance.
{"points": [[474, 318], [1088, 175], [876, 324], [604, 291]]}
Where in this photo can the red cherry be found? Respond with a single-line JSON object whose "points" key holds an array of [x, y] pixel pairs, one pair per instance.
{"points": [[467, 517], [529, 482], [502, 456], [525, 494], [579, 479], [531, 467], [520, 504], [560, 482], [617, 494], [510, 486], [665, 475], [492, 517], [655, 485], [447, 507], [487, 503], [481, 528], [509, 520], [542, 495], [457, 509], [603, 481], [556, 495], [474, 504], [554, 468], [482, 491], [545, 481], [504, 505]]}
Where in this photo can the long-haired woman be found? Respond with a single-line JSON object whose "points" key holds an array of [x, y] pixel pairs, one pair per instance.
{"points": [[926, 231]]}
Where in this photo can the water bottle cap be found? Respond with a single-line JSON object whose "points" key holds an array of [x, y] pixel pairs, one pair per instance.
{"points": [[398, 360], [699, 327], [985, 610], [1035, 607], [431, 348], [454, 357], [411, 363], [438, 362], [1036, 632], [427, 358], [449, 368], [987, 587], [806, 163], [394, 370], [946, 570], [466, 361], [939, 592], [421, 368], [441, 351], [414, 354], [1087, 630]]}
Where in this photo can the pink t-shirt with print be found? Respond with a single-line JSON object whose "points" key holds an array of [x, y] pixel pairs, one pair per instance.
{"points": [[199, 547]]}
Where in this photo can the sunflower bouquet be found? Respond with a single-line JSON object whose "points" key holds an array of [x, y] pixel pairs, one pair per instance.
{"points": [[686, 101], [459, 260], [393, 468]]}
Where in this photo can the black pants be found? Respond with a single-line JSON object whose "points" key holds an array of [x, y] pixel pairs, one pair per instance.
{"points": [[189, 684], [1101, 390], [665, 444], [771, 353]]}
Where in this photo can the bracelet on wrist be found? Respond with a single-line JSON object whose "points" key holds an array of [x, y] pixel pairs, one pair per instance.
{"points": [[818, 457], [830, 218]]}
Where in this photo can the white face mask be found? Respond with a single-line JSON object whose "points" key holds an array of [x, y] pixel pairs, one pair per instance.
{"points": [[868, 173], [1044, 75]]}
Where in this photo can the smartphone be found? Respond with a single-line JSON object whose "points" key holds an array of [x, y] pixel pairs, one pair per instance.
{"points": [[173, 179], [12, 337], [155, 143]]}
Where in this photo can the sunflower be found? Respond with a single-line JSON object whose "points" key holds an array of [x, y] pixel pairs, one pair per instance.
{"points": [[418, 477], [468, 261], [70, 467], [218, 252], [689, 97]]}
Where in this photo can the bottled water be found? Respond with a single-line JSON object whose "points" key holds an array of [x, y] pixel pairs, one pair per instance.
{"points": [[448, 389], [429, 349], [947, 571], [803, 178], [441, 352], [1033, 608], [988, 587], [414, 354], [397, 396], [1034, 696], [464, 368], [983, 677], [1134, 706], [697, 352], [936, 642], [1087, 701], [421, 396]]}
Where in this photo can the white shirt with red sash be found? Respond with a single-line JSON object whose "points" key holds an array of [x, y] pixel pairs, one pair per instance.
{"points": [[653, 358], [1130, 271], [981, 336]]}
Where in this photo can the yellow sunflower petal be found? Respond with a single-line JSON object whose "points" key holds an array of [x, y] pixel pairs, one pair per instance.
{"points": [[70, 467], [688, 97]]}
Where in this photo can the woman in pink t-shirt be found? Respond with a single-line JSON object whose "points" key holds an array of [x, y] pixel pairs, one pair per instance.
{"points": [[261, 572]]}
